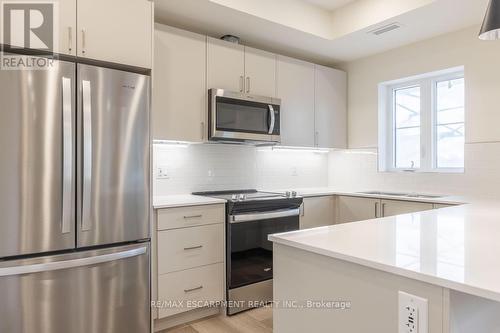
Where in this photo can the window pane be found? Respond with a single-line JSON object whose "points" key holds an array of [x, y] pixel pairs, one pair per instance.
{"points": [[407, 127], [450, 101], [407, 107], [450, 124], [450, 146], [407, 147]]}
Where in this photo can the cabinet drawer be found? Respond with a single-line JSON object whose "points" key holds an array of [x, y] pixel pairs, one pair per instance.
{"points": [[190, 247], [196, 284], [172, 218]]}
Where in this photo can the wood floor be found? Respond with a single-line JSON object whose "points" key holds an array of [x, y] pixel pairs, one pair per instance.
{"points": [[258, 320]]}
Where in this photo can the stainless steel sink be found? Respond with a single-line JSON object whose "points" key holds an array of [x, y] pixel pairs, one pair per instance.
{"points": [[399, 194]]}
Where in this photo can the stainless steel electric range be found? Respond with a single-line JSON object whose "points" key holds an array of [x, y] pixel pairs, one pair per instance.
{"points": [[251, 216]]}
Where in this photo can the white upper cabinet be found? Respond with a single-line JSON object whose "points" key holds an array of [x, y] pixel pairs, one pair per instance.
{"points": [[180, 95], [330, 107], [65, 38], [116, 31], [295, 87], [260, 72], [226, 65], [67, 27], [242, 69]]}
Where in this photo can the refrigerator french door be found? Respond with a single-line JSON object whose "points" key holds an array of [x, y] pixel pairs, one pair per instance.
{"points": [[38, 160], [113, 180], [74, 200]]}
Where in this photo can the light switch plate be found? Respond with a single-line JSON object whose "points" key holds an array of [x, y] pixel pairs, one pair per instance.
{"points": [[412, 314]]}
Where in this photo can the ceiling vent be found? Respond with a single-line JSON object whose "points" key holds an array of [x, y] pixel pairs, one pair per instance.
{"points": [[385, 29]]}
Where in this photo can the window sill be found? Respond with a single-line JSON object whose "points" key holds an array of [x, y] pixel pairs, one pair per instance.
{"points": [[433, 171]]}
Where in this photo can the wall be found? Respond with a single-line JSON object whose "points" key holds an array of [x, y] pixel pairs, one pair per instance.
{"points": [[357, 168], [211, 167], [482, 88]]}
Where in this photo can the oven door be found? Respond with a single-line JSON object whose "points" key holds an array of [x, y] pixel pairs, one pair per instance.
{"points": [[238, 117], [250, 254]]}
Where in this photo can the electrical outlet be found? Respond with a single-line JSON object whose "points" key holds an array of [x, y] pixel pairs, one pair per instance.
{"points": [[413, 313], [162, 172]]}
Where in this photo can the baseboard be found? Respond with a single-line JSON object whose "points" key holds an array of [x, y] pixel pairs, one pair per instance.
{"points": [[184, 318]]}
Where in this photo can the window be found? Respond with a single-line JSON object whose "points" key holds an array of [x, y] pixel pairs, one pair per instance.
{"points": [[421, 123]]}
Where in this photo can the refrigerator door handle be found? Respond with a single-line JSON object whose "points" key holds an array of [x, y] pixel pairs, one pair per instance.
{"points": [[67, 264], [67, 189], [87, 155]]}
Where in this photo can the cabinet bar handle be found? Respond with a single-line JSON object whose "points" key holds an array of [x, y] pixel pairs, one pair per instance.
{"points": [[248, 84], [193, 247], [383, 210], [242, 83], [70, 39], [376, 208], [83, 41], [192, 216], [193, 289]]}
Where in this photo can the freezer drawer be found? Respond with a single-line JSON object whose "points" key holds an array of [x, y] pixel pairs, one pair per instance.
{"points": [[95, 291], [37, 167], [114, 146]]}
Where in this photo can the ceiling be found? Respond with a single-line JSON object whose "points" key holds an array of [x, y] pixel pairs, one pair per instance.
{"points": [[329, 4], [314, 34]]}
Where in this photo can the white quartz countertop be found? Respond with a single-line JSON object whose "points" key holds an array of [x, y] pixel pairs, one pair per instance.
{"points": [[183, 200], [456, 247]]}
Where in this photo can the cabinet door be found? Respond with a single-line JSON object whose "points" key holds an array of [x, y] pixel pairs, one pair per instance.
{"points": [[295, 87], [330, 107], [65, 39], [352, 209], [260, 71], [226, 65], [180, 95], [116, 31], [317, 212], [396, 207]]}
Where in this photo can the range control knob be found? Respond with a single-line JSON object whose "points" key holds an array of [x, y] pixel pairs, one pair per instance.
{"points": [[234, 197], [242, 197], [288, 194], [294, 194]]}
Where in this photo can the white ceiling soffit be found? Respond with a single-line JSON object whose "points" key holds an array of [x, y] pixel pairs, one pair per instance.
{"points": [[329, 4], [304, 30]]}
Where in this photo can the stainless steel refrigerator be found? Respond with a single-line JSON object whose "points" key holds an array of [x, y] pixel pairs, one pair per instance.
{"points": [[74, 200]]}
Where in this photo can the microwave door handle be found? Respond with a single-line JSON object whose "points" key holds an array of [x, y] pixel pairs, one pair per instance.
{"points": [[273, 119]]}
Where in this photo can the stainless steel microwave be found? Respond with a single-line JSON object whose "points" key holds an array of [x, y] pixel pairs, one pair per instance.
{"points": [[238, 117]]}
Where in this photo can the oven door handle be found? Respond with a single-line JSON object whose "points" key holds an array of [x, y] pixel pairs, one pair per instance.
{"points": [[263, 216]]}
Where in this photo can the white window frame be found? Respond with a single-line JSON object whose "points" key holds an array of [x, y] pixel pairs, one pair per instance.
{"points": [[428, 143]]}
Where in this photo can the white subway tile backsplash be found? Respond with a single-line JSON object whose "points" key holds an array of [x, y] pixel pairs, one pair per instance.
{"points": [[357, 169], [208, 167]]}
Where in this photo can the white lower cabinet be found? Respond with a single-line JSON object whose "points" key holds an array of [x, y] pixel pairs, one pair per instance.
{"points": [[189, 263], [352, 209], [190, 247], [396, 207], [317, 212], [190, 289]]}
